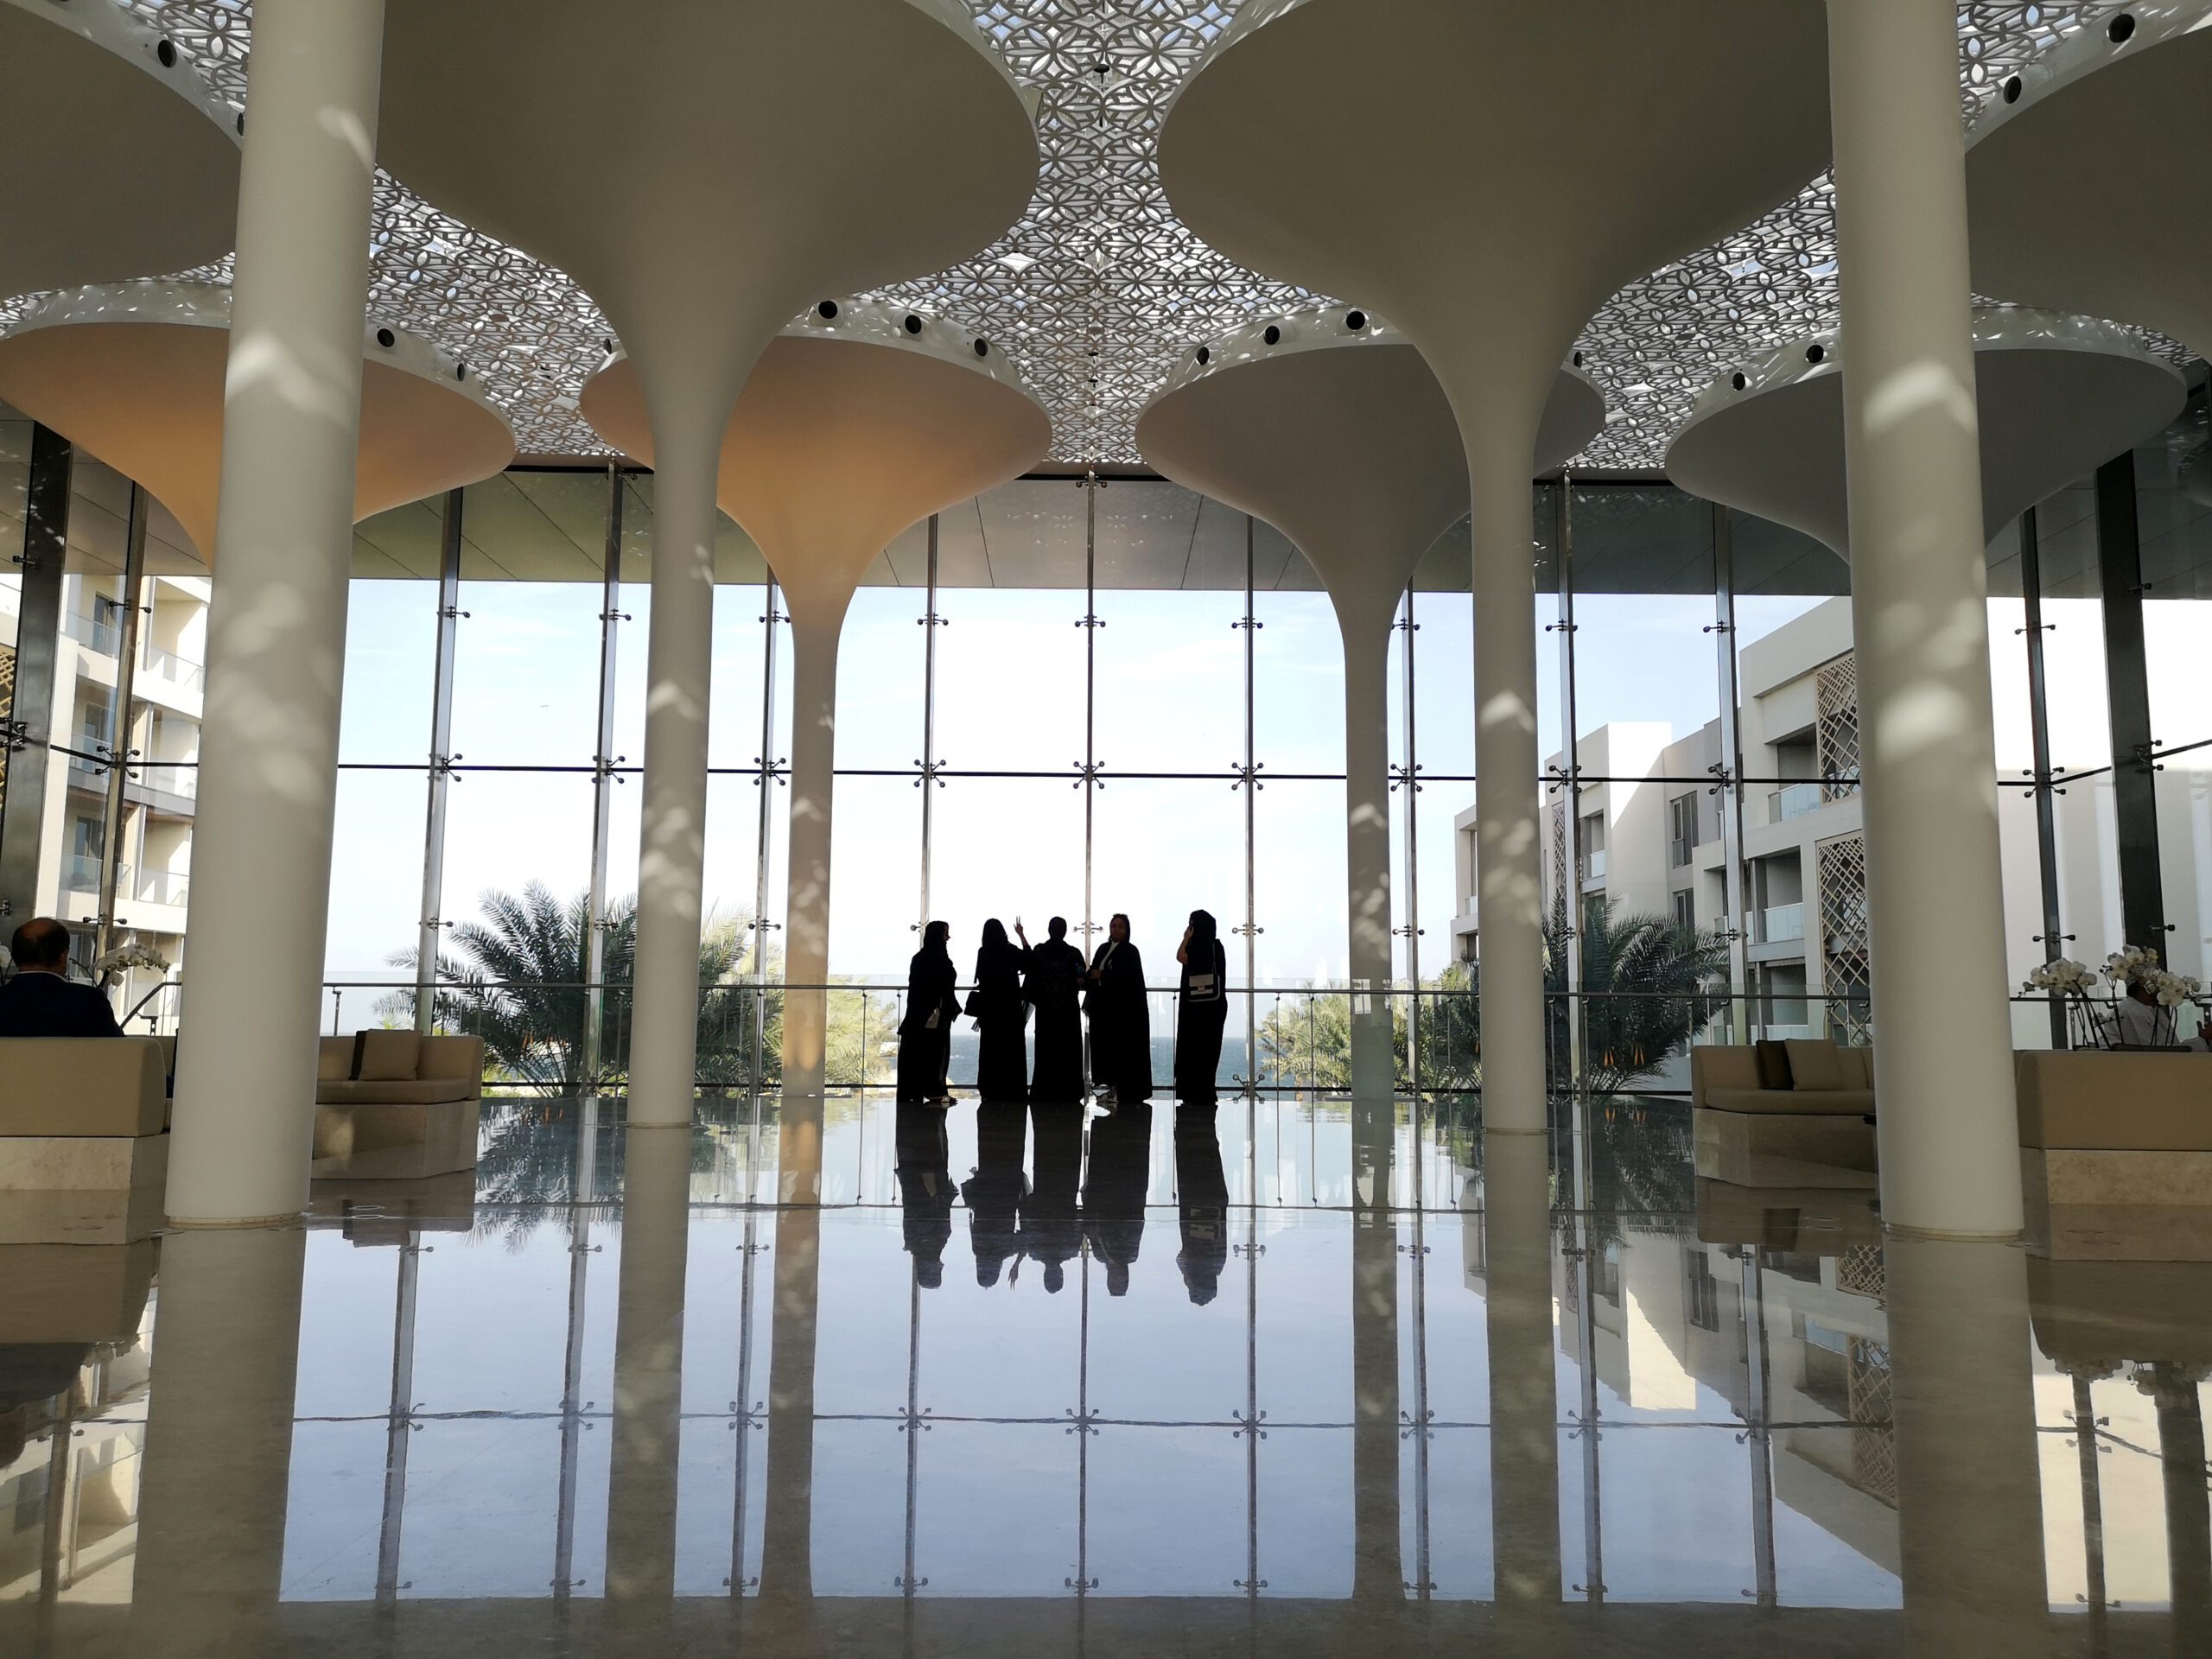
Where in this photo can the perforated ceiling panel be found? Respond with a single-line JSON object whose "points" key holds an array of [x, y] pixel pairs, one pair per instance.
{"points": [[1098, 287]]}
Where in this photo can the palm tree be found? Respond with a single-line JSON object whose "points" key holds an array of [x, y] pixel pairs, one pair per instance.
{"points": [[517, 977], [1646, 994]]}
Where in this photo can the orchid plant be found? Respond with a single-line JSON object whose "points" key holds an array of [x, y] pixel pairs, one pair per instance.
{"points": [[2096, 1021]]}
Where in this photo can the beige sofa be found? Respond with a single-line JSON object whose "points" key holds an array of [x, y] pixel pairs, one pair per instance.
{"points": [[84, 1147], [2116, 1153], [1817, 1134], [391, 1105]]}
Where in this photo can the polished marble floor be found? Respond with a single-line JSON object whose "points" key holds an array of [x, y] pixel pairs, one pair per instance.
{"points": [[1280, 1376]]}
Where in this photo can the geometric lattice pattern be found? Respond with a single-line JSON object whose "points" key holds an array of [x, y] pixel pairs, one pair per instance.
{"points": [[1847, 957], [1098, 289], [1858, 1271], [1873, 1442], [1835, 728]]}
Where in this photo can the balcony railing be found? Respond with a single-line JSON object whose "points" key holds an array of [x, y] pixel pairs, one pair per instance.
{"points": [[1793, 801], [1778, 923], [100, 633], [180, 671], [80, 872], [163, 887], [1593, 865], [169, 777]]}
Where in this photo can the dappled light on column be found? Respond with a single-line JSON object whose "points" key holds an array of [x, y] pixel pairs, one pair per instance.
{"points": [[1443, 178], [1329, 425], [860, 420], [736, 168]]}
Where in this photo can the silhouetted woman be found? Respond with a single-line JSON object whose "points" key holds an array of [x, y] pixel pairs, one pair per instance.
{"points": [[1053, 984], [1120, 1019], [1202, 1191], [926, 1033], [1003, 1016], [1202, 1009]]}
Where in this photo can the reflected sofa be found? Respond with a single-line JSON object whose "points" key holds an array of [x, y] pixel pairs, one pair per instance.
{"points": [[84, 1141], [393, 1105], [1797, 1114]]}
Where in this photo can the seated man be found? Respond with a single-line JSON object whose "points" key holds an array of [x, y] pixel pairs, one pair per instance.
{"points": [[39, 1001]]}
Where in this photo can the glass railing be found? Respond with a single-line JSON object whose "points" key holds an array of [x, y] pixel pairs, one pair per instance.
{"points": [[1778, 923], [99, 632], [179, 672], [1593, 865], [168, 777], [80, 872], [1793, 801], [162, 887]]}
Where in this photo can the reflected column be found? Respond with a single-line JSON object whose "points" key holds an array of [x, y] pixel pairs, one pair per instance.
{"points": [[1524, 1394], [648, 1419], [1378, 1572], [787, 1539], [217, 1464], [2173, 1388], [1969, 1477]]}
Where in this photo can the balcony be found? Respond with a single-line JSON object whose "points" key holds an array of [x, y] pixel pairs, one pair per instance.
{"points": [[172, 669], [169, 778], [163, 887], [1793, 801], [99, 631], [1593, 865], [1778, 923]]}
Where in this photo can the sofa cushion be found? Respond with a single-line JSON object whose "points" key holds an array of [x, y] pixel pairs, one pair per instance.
{"points": [[1793, 1102], [95, 1086], [394, 1091], [335, 1058], [387, 1056], [1816, 1067], [1774, 1065], [452, 1057]]}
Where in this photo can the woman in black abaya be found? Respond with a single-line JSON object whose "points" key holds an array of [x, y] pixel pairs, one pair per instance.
{"points": [[1003, 1016], [925, 1032], [1053, 980], [1202, 1010], [1121, 1018]]}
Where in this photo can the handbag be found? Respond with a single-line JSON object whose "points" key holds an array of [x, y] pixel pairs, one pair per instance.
{"points": [[974, 1007]]}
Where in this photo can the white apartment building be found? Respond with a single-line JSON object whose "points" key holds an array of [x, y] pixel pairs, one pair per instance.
{"points": [[160, 728], [1651, 835]]}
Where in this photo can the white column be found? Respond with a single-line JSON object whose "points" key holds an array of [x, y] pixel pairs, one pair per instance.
{"points": [[814, 763], [665, 1010], [1523, 1391], [277, 629], [1509, 845], [1367, 836], [1943, 1036]]}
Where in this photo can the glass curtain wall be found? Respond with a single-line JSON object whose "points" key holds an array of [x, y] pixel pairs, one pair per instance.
{"points": [[1081, 697]]}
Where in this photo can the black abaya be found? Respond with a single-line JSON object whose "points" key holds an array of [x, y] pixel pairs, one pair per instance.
{"points": [[925, 1049], [1121, 1024], [1051, 1224], [1202, 1186], [1055, 977], [925, 1190], [995, 1194], [1003, 1065], [1114, 1192], [1201, 1012]]}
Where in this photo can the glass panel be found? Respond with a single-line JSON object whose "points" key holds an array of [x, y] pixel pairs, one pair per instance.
{"points": [[391, 653], [1162, 850], [506, 831], [1170, 683], [879, 680], [376, 878], [1299, 868], [997, 1508], [1008, 847], [1198, 1475], [740, 644], [875, 880], [2184, 793], [482, 1508], [1297, 684], [2173, 499], [1010, 681], [334, 1507], [526, 674]]}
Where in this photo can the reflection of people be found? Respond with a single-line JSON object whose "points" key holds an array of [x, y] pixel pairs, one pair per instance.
{"points": [[925, 1190], [1203, 1192], [995, 1193], [1114, 1192], [39, 1001], [1052, 1226], [925, 1032], [1003, 1016], [1055, 977], [1121, 1018], [1202, 1009]]}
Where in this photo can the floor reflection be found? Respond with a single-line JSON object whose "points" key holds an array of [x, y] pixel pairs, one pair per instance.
{"points": [[1042, 1380]]}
